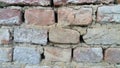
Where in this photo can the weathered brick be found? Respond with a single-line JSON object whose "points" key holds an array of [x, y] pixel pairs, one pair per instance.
{"points": [[10, 16], [64, 2], [103, 35], [39, 17], [82, 16], [88, 54], [109, 14], [27, 2], [61, 35], [26, 55], [29, 35], [57, 54], [112, 55], [4, 36], [5, 54]]}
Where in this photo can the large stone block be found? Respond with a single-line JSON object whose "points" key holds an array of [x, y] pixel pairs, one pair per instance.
{"points": [[61, 35], [26, 55], [81, 54], [57, 54], [103, 35], [29, 35]]}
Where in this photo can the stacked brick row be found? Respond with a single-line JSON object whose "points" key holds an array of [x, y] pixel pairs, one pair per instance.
{"points": [[59, 34]]}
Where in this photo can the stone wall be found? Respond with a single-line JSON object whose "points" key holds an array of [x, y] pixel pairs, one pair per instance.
{"points": [[59, 33]]}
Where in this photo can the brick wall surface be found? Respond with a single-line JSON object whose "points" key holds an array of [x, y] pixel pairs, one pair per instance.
{"points": [[59, 33]]}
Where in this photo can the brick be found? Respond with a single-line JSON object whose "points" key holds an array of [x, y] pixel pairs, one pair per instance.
{"points": [[39, 17], [30, 35], [61, 35], [4, 36], [103, 35], [57, 54], [10, 16], [27, 2], [5, 54], [26, 55], [64, 2], [112, 55], [82, 54], [82, 16], [109, 14]]}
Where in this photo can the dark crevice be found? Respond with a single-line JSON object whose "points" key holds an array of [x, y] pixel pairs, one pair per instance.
{"points": [[103, 53], [81, 39], [42, 55], [72, 54], [22, 16], [12, 55], [115, 2], [52, 3], [48, 38], [56, 16]]}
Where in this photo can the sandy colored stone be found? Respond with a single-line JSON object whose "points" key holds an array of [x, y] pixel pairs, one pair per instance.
{"points": [[112, 55], [82, 54], [103, 35], [82, 16], [10, 16], [39, 17], [57, 54], [61, 35]]}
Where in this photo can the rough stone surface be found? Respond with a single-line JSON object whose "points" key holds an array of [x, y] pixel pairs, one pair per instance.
{"points": [[57, 54], [27, 2], [82, 16], [26, 55], [64, 2], [61, 35], [5, 54], [103, 35], [10, 16], [36, 66], [39, 17], [88, 54], [29, 35], [4, 36], [106, 1], [112, 55], [104, 65], [107, 14], [8, 65]]}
